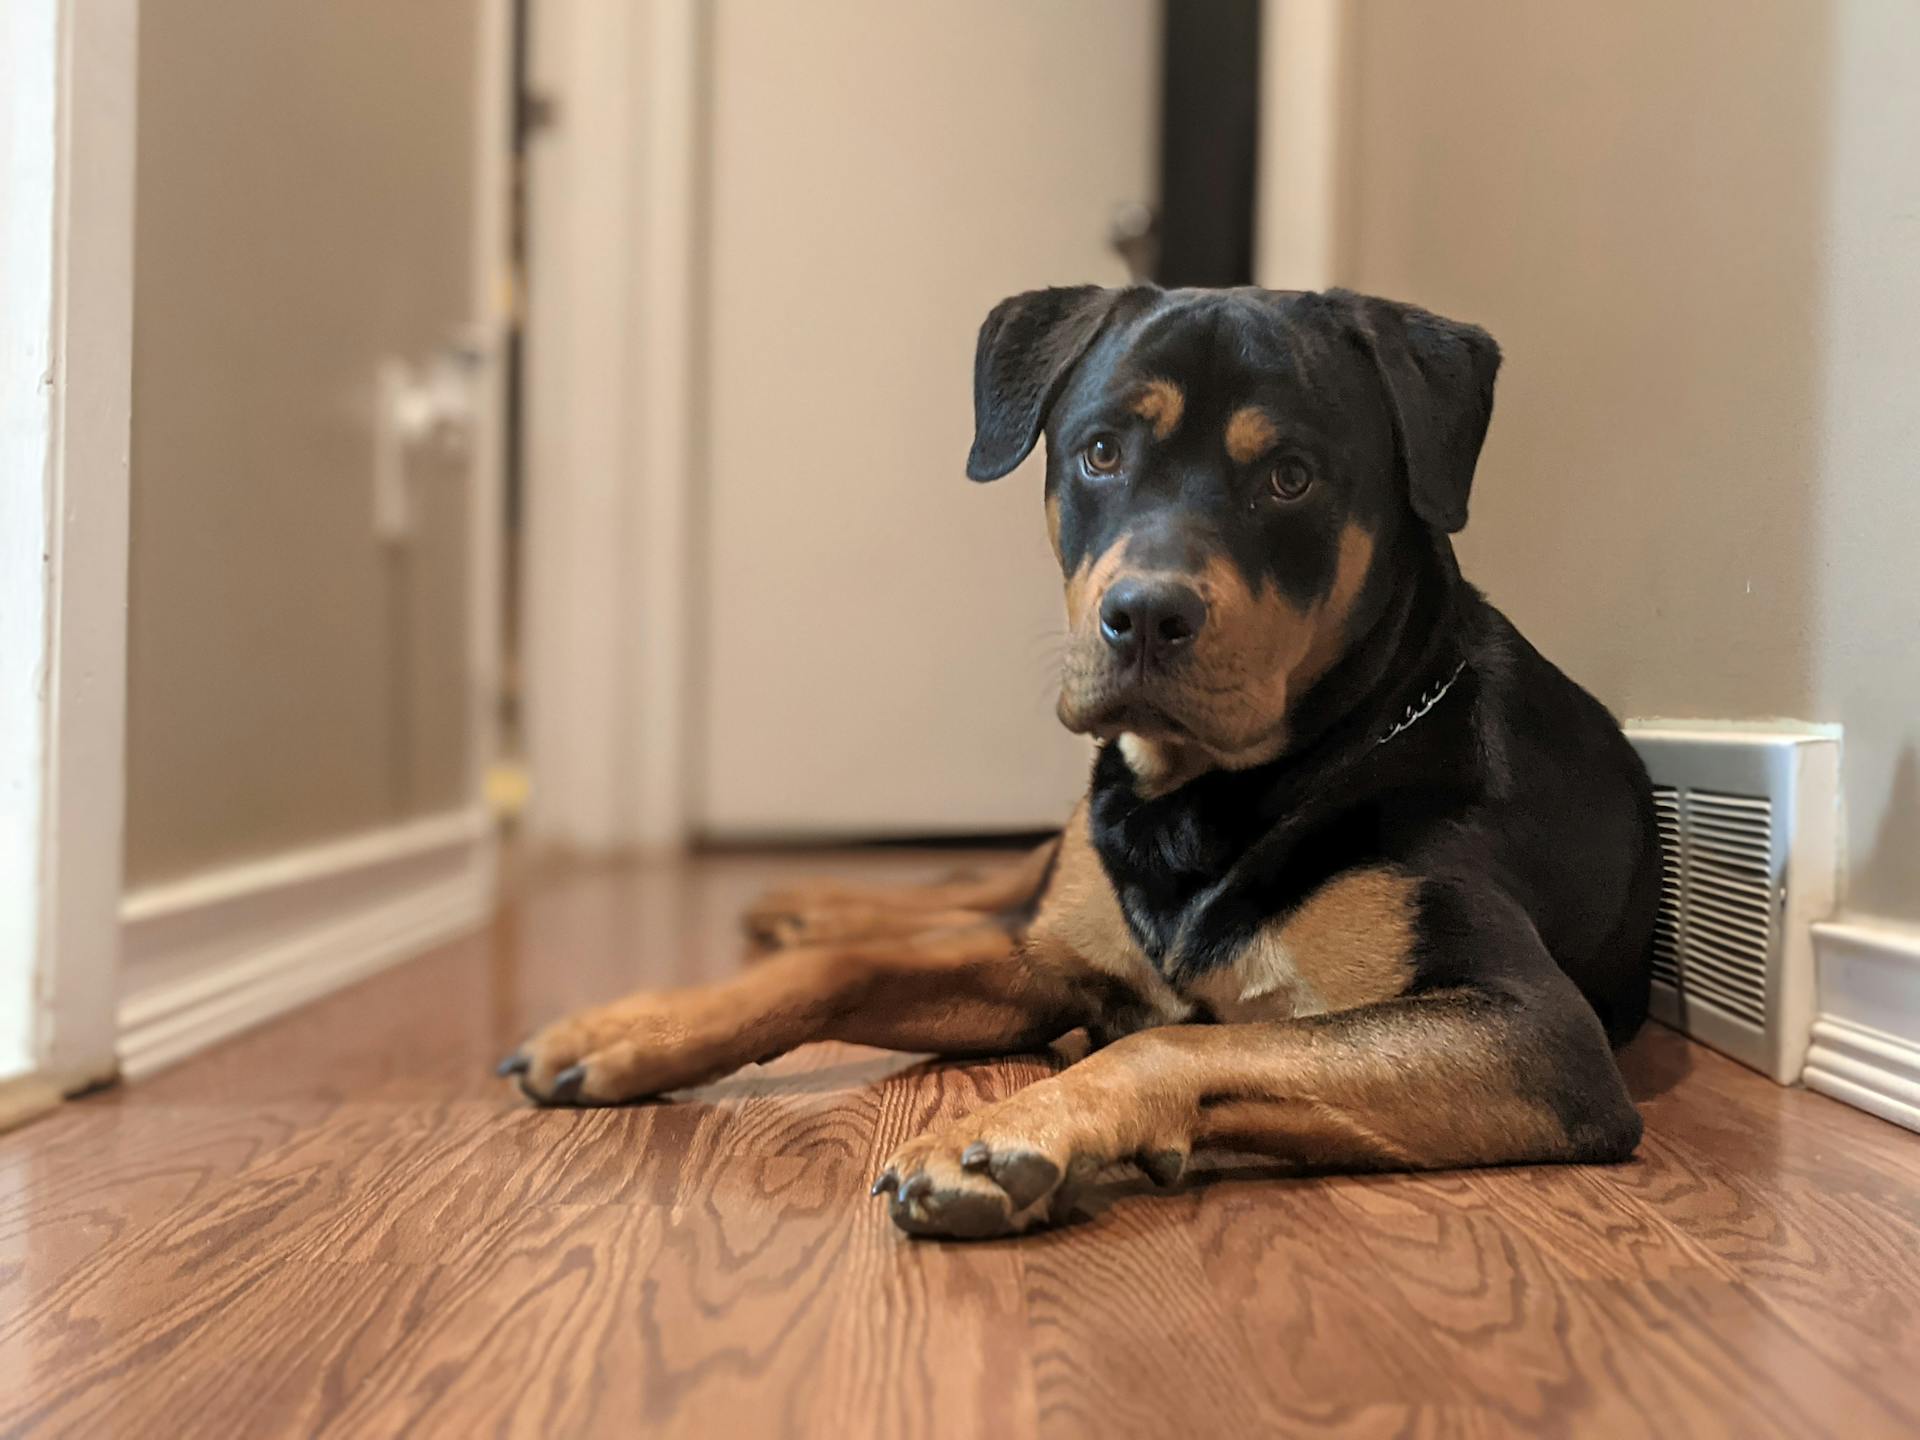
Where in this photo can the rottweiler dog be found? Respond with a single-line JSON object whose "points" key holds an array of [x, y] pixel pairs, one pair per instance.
{"points": [[1361, 881]]}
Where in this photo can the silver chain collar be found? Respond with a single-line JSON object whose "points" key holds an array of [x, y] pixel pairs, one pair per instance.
{"points": [[1428, 699]]}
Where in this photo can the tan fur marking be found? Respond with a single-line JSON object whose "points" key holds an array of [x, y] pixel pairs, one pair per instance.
{"points": [[1259, 652], [1080, 925], [1160, 765], [1053, 524], [1349, 944], [1087, 584], [825, 910], [1161, 403], [1250, 434], [1332, 613]]}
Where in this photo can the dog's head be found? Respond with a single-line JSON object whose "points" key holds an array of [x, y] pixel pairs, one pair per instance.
{"points": [[1232, 477]]}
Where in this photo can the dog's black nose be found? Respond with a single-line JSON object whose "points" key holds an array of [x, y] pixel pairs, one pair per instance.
{"points": [[1153, 619]]}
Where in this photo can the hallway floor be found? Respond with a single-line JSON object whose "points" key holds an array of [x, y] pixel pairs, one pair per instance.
{"points": [[341, 1224]]}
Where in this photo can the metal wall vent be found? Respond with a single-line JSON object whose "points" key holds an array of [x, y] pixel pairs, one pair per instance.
{"points": [[1747, 821]]}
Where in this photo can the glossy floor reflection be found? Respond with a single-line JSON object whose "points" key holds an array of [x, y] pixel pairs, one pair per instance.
{"points": [[342, 1224]]}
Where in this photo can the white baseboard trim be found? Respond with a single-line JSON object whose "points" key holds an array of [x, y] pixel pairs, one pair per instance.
{"points": [[204, 958], [1866, 1038]]}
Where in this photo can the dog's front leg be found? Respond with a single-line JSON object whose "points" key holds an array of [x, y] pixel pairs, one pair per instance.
{"points": [[964, 991], [1459, 1078]]}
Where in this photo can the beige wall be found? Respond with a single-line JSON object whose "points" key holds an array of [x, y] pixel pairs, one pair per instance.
{"points": [[1690, 226], [878, 646], [304, 208]]}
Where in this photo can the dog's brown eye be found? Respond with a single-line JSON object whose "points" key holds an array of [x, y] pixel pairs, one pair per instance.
{"points": [[1102, 455], [1290, 479]]}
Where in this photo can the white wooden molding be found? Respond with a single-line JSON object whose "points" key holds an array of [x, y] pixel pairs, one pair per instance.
{"points": [[1866, 1038], [66, 263], [667, 321], [1297, 214], [207, 957], [28, 50], [612, 417], [1873, 1071], [492, 306], [88, 518]]}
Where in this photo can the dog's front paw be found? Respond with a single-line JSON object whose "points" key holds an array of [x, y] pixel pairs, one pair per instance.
{"points": [[643, 1046], [1021, 1163], [1012, 1166], [946, 1184]]}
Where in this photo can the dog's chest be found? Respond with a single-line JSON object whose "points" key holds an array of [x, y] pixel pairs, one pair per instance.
{"points": [[1229, 977], [1267, 985], [1263, 921]]}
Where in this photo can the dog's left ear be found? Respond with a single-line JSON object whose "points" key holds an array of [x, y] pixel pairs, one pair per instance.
{"points": [[1438, 376], [1027, 347]]}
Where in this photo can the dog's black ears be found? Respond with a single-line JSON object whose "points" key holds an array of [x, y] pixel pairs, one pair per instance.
{"points": [[1027, 347], [1438, 376]]}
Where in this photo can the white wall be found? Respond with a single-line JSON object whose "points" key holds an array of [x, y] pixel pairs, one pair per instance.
{"points": [[1866, 510], [1693, 229], [27, 64], [879, 638]]}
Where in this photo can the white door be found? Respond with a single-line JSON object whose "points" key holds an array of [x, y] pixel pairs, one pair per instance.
{"points": [[879, 635]]}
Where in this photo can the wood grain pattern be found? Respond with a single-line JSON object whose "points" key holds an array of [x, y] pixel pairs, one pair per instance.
{"points": [[342, 1225]]}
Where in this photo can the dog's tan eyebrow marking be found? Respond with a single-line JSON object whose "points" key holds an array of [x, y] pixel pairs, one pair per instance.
{"points": [[1250, 434], [1161, 403]]}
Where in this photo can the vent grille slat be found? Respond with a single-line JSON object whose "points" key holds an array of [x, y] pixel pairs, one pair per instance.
{"points": [[1713, 939], [1703, 984], [1736, 831], [1745, 921], [1734, 885], [1727, 966], [1666, 922]]}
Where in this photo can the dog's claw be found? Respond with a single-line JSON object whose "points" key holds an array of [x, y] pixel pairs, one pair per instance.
{"points": [[887, 1182], [514, 1064], [918, 1184], [976, 1156], [566, 1085]]}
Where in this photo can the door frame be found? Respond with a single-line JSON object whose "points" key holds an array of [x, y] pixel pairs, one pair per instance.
{"points": [[492, 306], [613, 403], [82, 60], [1303, 88], [82, 63]]}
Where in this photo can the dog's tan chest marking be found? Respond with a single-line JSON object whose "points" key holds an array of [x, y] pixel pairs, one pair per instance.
{"points": [[1161, 403], [1349, 943], [1159, 765], [1079, 926]]}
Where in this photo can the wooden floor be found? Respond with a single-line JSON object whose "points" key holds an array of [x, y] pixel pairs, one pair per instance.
{"points": [[342, 1225]]}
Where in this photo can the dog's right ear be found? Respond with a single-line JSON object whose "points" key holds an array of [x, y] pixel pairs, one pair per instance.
{"points": [[1027, 347]]}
